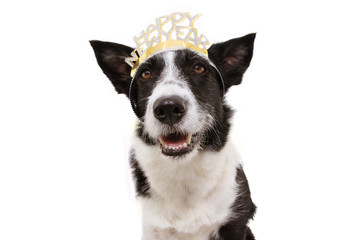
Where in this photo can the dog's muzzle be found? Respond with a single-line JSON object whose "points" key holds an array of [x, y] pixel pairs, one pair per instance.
{"points": [[170, 110]]}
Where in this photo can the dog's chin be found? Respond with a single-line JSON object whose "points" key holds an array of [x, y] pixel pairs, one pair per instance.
{"points": [[177, 144]]}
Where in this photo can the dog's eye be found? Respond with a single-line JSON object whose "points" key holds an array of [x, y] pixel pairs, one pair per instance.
{"points": [[146, 74], [198, 69]]}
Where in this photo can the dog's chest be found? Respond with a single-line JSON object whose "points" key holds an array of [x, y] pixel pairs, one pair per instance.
{"points": [[189, 197]]}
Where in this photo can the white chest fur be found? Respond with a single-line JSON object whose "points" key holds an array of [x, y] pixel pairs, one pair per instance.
{"points": [[190, 197]]}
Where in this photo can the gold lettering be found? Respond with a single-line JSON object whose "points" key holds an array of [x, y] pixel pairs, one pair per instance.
{"points": [[202, 42], [179, 32], [174, 22], [160, 22], [192, 36], [192, 19], [131, 60]]}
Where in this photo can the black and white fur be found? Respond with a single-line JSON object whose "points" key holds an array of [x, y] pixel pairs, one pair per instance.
{"points": [[198, 192]]}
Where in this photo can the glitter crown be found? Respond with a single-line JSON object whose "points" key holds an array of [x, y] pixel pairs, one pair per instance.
{"points": [[172, 31]]}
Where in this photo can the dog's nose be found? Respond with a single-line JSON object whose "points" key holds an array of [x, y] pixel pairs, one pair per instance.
{"points": [[169, 110]]}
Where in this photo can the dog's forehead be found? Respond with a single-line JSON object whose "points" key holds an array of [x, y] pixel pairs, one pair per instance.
{"points": [[175, 58], [176, 66]]}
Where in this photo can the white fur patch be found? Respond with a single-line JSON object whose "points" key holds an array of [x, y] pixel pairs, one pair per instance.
{"points": [[189, 197]]}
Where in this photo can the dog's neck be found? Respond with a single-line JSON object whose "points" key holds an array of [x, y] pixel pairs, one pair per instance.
{"points": [[180, 186]]}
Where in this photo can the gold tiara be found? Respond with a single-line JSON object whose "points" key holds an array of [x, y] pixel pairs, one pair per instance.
{"points": [[172, 31]]}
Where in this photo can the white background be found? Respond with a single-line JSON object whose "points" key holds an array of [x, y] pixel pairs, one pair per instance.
{"points": [[64, 131]]}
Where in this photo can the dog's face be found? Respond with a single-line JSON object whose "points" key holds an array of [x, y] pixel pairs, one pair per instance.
{"points": [[173, 99], [178, 94]]}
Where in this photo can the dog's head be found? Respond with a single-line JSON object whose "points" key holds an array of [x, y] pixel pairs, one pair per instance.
{"points": [[178, 94]]}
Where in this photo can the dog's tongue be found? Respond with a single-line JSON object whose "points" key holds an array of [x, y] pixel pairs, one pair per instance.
{"points": [[175, 139]]}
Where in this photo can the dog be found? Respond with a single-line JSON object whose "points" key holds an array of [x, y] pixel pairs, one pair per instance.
{"points": [[187, 173]]}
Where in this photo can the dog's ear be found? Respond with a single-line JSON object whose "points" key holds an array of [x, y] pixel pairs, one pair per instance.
{"points": [[233, 58], [111, 59]]}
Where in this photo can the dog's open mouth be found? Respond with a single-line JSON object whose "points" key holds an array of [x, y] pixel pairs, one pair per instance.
{"points": [[176, 144]]}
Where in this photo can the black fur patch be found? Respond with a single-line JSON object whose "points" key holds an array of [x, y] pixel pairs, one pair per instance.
{"points": [[142, 88], [232, 58], [217, 136], [111, 59], [141, 182], [243, 209], [143, 135]]}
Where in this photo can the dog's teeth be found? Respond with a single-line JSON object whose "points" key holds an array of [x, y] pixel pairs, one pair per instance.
{"points": [[174, 148], [188, 139]]}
